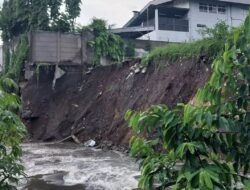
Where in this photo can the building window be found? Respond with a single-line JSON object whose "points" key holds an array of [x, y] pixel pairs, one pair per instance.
{"points": [[212, 8], [201, 26], [203, 7], [222, 9]]}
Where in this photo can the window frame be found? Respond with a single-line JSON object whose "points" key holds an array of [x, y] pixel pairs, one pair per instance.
{"points": [[203, 7], [212, 8], [222, 7]]}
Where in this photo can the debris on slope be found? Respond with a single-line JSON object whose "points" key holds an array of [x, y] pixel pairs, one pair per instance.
{"points": [[96, 101]]}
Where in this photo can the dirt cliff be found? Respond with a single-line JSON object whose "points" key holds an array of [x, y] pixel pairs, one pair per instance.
{"points": [[96, 102]]}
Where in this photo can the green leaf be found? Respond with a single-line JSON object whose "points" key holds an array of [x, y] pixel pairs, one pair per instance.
{"points": [[224, 124], [205, 180], [204, 144]]}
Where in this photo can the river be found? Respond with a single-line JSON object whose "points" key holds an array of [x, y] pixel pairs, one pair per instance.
{"points": [[72, 167]]}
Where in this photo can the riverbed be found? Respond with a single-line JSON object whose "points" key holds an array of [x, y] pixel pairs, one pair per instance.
{"points": [[73, 167]]}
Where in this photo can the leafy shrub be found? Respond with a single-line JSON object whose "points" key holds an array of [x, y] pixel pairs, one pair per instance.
{"points": [[220, 32], [130, 49], [105, 44], [201, 145], [148, 46], [12, 131], [98, 26]]}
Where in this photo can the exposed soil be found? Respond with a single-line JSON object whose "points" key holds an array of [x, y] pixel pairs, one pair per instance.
{"points": [[98, 101]]}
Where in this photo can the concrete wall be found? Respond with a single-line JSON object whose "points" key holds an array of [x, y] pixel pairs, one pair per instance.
{"points": [[141, 44], [59, 48], [167, 36], [70, 49], [234, 16], [51, 47], [238, 14], [182, 4]]}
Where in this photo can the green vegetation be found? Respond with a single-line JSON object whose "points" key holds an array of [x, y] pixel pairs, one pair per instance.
{"points": [[61, 24], [105, 44], [130, 49], [14, 65], [173, 52], [211, 45], [148, 46], [12, 131], [73, 9], [202, 145], [20, 16], [17, 17], [219, 32]]}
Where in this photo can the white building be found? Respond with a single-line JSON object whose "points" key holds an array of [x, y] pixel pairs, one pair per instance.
{"points": [[181, 20]]}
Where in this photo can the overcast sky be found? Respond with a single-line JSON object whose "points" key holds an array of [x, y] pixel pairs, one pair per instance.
{"points": [[116, 12]]}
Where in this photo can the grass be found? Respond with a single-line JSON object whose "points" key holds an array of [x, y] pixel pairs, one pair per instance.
{"points": [[209, 47]]}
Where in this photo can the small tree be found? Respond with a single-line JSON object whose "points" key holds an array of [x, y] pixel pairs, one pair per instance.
{"points": [[203, 145], [61, 24], [105, 44], [98, 26], [12, 131], [73, 8]]}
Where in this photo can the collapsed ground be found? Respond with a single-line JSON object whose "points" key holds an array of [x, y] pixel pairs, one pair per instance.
{"points": [[95, 103]]}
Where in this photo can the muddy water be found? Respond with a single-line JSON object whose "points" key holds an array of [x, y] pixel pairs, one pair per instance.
{"points": [[70, 167]]}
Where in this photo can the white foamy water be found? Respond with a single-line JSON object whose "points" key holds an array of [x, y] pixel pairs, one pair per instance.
{"points": [[71, 167]]}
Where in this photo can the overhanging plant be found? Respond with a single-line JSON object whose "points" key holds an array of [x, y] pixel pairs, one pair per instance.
{"points": [[105, 44]]}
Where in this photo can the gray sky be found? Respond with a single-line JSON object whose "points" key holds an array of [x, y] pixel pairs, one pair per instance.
{"points": [[116, 12]]}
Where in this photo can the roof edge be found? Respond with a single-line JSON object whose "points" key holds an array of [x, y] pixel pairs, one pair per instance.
{"points": [[151, 3], [158, 2]]}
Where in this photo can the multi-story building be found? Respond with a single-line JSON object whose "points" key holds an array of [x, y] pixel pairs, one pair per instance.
{"points": [[181, 20]]}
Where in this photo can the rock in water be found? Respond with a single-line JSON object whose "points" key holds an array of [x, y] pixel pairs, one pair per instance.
{"points": [[90, 143], [144, 70]]}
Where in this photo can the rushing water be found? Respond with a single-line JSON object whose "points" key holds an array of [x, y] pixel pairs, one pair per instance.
{"points": [[71, 167]]}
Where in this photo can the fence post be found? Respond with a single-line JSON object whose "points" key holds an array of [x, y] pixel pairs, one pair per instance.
{"points": [[58, 48]]}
